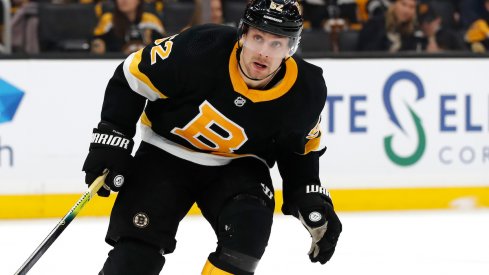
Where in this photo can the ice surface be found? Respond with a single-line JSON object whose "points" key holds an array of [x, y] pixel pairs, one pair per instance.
{"points": [[381, 243]]}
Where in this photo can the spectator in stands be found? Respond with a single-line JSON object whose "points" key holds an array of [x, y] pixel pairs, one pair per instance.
{"points": [[429, 24], [328, 14], [469, 11], [226, 12], [179, 15], [433, 36], [14, 6], [321, 14], [354, 12], [216, 12], [25, 25], [197, 16], [126, 29], [377, 7], [315, 13], [392, 32], [477, 36], [453, 22]]}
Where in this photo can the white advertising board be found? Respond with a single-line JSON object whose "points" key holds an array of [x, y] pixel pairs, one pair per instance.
{"points": [[387, 123], [406, 123], [43, 147]]}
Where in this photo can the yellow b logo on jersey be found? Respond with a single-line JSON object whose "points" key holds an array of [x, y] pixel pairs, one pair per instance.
{"points": [[212, 131]]}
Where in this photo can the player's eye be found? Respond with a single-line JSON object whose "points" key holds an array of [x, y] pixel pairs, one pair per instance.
{"points": [[276, 44], [257, 38]]}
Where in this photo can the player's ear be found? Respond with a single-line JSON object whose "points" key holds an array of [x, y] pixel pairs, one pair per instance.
{"points": [[241, 40]]}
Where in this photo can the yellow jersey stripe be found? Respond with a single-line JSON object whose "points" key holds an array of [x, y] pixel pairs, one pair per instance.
{"points": [[137, 80]]}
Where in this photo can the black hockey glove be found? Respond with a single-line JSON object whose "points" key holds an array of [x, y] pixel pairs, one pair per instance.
{"points": [[109, 149], [316, 212]]}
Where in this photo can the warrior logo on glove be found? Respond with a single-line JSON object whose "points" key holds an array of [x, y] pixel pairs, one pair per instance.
{"points": [[111, 140], [110, 149]]}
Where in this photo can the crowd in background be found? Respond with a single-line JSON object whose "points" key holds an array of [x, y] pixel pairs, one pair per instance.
{"points": [[123, 26]]}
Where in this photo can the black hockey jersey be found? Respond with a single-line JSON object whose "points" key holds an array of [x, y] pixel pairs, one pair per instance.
{"points": [[200, 109]]}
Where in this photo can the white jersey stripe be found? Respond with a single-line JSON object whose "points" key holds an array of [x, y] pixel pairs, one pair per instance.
{"points": [[149, 136], [137, 82]]}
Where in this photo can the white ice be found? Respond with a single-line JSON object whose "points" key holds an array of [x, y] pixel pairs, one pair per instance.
{"points": [[451, 242]]}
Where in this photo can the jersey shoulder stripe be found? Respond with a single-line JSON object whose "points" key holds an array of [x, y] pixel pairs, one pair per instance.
{"points": [[138, 81], [163, 68]]}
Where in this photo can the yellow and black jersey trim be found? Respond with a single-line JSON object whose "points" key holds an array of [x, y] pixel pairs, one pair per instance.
{"points": [[183, 152], [104, 24], [148, 21], [178, 150], [145, 120], [314, 139], [138, 81], [277, 91], [313, 145], [478, 31]]}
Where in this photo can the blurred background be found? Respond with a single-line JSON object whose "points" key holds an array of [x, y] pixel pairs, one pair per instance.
{"points": [[331, 26], [406, 121]]}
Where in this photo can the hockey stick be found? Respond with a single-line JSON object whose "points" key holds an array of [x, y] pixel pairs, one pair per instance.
{"points": [[61, 226]]}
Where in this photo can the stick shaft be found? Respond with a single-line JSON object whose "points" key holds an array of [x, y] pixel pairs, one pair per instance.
{"points": [[61, 226]]}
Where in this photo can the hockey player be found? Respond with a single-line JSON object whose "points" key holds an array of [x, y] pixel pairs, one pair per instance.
{"points": [[218, 107]]}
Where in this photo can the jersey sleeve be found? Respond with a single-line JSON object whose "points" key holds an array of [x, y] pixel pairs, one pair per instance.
{"points": [[164, 69], [157, 71], [167, 67], [148, 74], [301, 130], [122, 107], [300, 148]]}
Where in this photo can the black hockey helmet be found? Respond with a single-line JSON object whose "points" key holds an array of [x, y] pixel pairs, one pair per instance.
{"points": [[280, 17]]}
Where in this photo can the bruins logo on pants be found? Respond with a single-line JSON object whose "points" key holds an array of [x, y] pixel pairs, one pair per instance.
{"points": [[141, 220]]}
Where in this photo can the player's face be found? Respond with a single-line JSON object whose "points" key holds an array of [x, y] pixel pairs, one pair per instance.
{"points": [[262, 52]]}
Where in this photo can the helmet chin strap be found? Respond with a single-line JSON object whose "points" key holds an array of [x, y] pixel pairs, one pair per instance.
{"points": [[251, 78]]}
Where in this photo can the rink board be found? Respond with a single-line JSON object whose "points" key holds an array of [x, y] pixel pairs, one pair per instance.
{"points": [[401, 133], [57, 205]]}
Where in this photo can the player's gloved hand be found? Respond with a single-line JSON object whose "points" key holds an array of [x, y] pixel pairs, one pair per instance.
{"points": [[109, 149], [317, 214]]}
